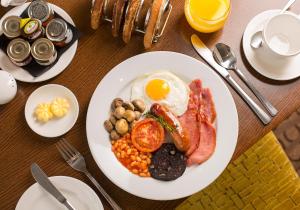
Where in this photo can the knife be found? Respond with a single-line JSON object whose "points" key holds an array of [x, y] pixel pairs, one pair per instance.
{"points": [[40, 176], [207, 55]]}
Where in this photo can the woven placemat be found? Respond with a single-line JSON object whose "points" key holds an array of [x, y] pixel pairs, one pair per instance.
{"points": [[261, 178]]}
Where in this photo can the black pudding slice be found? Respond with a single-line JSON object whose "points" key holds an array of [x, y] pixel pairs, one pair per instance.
{"points": [[167, 163]]}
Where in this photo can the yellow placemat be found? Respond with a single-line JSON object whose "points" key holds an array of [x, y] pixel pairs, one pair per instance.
{"points": [[261, 178]]}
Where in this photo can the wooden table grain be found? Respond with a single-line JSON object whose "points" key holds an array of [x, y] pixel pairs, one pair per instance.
{"points": [[98, 52]]}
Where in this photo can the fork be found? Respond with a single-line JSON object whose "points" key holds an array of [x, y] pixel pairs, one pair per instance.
{"points": [[77, 162]]}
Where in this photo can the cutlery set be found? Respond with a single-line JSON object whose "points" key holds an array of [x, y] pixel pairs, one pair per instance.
{"points": [[77, 162], [223, 59]]}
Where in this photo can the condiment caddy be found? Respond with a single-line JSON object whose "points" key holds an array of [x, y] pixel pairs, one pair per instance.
{"points": [[36, 39]]}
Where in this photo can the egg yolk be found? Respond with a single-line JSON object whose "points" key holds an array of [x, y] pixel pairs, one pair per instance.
{"points": [[157, 89]]}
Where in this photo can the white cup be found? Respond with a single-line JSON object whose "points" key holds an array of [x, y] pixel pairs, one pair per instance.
{"points": [[281, 35]]}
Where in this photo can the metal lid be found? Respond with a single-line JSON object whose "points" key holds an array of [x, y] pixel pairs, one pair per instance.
{"points": [[43, 49], [11, 26], [39, 9], [56, 30], [18, 49]]}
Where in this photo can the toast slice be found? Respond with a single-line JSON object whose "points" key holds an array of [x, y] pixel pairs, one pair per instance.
{"points": [[153, 22], [118, 13], [132, 9], [96, 14]]}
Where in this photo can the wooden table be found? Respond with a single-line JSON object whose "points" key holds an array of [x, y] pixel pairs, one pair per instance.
{"points": [[98, 52]]}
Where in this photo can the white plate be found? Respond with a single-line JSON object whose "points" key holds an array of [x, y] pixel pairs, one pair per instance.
{"points": [[263, 61], [21, 74], [80, 195], [117, 83], [54, 127]]}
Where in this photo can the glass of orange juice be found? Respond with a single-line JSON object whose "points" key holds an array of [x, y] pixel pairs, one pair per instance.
{"points": [[207, 16]]}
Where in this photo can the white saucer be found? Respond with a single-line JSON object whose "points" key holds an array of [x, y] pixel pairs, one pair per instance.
{"points": [[261, 60], [80, 195], [21, 74], [54, 127]]}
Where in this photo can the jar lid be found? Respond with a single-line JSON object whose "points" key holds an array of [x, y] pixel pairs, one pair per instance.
{"points": [[39, 9], [43, 49], [11, 26], [18, 49], [56, 30]]}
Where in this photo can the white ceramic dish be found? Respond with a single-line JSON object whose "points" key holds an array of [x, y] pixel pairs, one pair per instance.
{"points": [[80, 195], [261, 59], [117, 83], [21, 74], [54, 127]]}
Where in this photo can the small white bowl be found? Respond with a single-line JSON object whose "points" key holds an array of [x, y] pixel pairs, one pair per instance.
{"points": [[57, 126]]}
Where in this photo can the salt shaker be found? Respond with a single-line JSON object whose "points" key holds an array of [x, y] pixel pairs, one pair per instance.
{"points": [[8, 87]]}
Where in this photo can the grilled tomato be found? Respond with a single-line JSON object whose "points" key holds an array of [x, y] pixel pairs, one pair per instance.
{"points": [[147, 135]]}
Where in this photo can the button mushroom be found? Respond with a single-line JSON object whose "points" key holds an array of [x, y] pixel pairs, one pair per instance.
{"points": [[108, 125], [117, 102], [137, 115], [139, 105], [119, 112], [114, 135], [112, 119], [128, 106], [122, 126], [129, 115]]}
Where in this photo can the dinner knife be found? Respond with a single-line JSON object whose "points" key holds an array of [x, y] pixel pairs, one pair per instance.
{"points": [[40, 176], [207, 55]]}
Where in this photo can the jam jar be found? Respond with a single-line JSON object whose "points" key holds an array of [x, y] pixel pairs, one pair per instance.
{"points": [[43, 51], [40, 10], [33, 30], [18, 50], [58, 32], [11, 27]]}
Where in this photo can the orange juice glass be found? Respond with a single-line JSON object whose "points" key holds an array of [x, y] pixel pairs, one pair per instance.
{"points": [[207, 16]]}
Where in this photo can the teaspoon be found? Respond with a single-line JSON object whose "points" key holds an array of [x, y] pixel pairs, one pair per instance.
{"points": [[226, 58]]}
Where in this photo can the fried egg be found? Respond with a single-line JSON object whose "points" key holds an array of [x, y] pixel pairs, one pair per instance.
{"points": [[162, 87]]}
